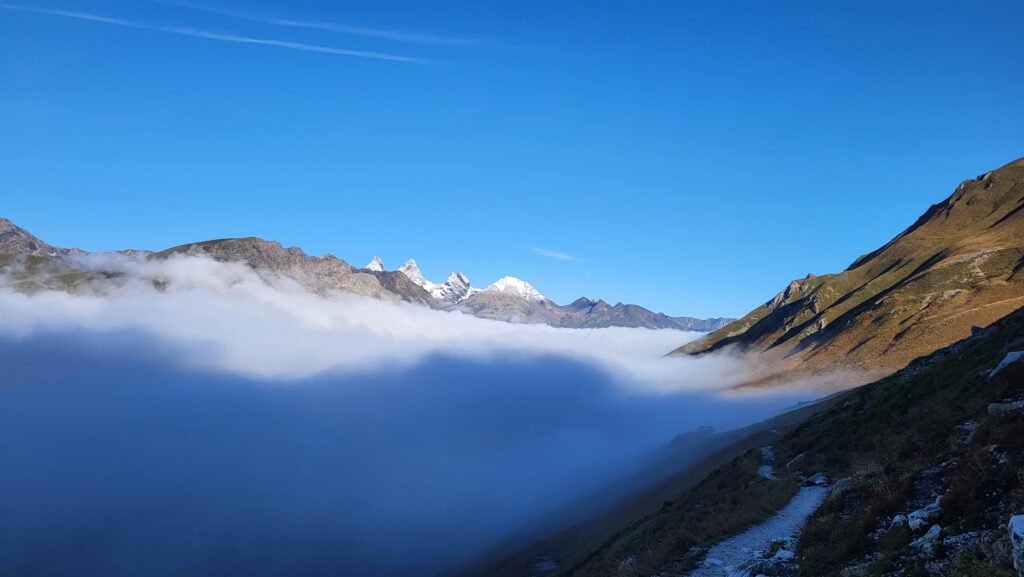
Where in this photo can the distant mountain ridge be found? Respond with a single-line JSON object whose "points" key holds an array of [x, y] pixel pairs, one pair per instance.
{"points": [[515, 300], [959, 266], [43, 266]]}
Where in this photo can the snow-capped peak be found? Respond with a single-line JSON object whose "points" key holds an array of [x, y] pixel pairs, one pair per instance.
{"points": [[451, 291], [514, 286], [376, 264], [457, 279], [412, 270], [457, 287]]}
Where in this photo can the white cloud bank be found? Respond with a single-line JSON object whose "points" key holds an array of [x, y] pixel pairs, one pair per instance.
{"points": [[393, 440], [223, 316]]}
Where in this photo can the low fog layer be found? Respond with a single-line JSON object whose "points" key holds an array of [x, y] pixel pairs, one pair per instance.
{"points": [[231, 319], [222, 425]]}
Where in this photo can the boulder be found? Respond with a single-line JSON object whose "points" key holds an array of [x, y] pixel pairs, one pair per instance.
{"points": [[817, 480], [1005, 408], [784, 555], [923, 516], [1009, 359], [1016, 530], [927, 541]]}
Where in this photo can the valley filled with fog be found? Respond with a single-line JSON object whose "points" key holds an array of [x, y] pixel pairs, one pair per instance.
{"points": [[185, 416]]}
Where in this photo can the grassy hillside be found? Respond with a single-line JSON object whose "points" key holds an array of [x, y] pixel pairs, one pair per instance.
{"points": [[893, 447], [960, 265]]}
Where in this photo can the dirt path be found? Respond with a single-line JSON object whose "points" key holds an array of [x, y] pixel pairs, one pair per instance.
{"points": [[948, 316], [727, 558]]}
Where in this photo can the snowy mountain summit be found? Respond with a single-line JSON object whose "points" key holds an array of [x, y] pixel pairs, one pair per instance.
{"points": [[516, 287], [451, 292], [412, 270], [376, 264], [457, 288]]}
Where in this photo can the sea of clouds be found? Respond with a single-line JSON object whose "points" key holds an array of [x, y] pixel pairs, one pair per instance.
{"points": [[187, 416]]}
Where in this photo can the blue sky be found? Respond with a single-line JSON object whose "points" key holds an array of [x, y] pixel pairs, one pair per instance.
{"points": [[692, 157]]}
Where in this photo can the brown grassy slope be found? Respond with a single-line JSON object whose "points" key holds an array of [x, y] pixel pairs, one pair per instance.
{"points": [[960, 265]]}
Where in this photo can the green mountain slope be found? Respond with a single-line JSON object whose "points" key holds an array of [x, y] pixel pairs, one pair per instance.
{"points": [[960, 265]]}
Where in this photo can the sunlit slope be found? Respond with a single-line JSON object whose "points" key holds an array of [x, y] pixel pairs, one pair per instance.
{"points": [[960, 265]]}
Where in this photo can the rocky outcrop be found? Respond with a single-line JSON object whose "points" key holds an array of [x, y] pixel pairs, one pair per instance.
{"points": [[400, 285], [18, 241]]}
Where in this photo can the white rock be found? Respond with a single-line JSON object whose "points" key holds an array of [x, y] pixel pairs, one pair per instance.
{"points": [[784, 555], [819, 479], [1009, 359], [926, 542], [1016, 530], [923, 516]]}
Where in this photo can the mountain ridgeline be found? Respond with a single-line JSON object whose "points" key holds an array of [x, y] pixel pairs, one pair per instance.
{"points": [[31, 265], [961, 265]]}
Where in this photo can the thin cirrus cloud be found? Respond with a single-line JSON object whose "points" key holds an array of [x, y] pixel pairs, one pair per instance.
{"points": [[223, 37], [557, 255], [395, 35]]}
